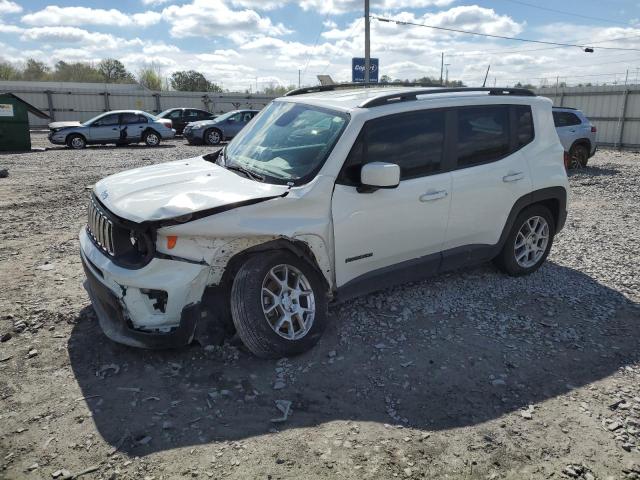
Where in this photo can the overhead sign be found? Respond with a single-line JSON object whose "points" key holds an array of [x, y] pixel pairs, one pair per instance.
{"points": [[6, 110], [357, 69]]}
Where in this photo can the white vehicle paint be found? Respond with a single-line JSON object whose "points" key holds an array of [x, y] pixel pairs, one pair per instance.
{"points": [[197, 223]]}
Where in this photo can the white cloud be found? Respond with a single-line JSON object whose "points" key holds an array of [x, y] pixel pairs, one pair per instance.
{"points": [[95, 40], [7, 7], [154, 2], [159, 48], [343, 6], [53, 15], [259, 4], [211, 18]]}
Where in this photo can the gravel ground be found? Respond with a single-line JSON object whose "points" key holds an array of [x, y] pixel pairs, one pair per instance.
{"points": [[469, 375]]}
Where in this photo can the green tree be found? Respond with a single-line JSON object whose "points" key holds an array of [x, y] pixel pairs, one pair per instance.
{"points": [[149, 77], [35, 70], [8, 71], [113, 71], [385, 79], [75, 72], [279, 90], [192, 81]]}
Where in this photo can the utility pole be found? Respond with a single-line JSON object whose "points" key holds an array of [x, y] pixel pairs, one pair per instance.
{"points": [[441, 67], [486, 75], [367, 42], [298, 78], [256, 85], [446, 70]]}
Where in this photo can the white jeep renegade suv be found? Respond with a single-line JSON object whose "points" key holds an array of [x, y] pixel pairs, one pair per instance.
{"points": [[328, 193]]}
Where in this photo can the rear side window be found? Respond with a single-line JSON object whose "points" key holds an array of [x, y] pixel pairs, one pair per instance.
{"points": [[142, 119], [129, 118], [483, 134], [414, 141], [565, 119], [524, 125]]}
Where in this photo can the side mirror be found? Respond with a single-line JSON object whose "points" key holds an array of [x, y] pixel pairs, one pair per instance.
{"points": [[379, 175]]}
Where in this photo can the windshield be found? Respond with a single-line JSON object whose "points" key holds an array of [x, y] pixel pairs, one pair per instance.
{"points": [[224, 116], [91, 120], [287, 142]]}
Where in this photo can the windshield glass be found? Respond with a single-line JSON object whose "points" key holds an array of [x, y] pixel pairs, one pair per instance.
{"points": [[91, 120], [224, 116], [287, 142]]}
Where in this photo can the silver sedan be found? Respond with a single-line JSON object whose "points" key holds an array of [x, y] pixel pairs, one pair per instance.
{"points": [[121, 127]]}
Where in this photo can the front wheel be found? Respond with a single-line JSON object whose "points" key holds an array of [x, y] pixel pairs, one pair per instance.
{"points": [[528, 243], [212, 137], [77, 142], [151, 138], [278, 305]]}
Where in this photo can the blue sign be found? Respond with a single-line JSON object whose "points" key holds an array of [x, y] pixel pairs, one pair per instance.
{"points": [[357, 69]]}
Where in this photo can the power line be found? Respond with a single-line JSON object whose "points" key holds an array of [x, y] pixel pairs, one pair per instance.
{"points": [[573, 14], [502, 37]]}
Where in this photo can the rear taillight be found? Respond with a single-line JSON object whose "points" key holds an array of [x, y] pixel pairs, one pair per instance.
{"points": [[593, 129], [567, 160]]}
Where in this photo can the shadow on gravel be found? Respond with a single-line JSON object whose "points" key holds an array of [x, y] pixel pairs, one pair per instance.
{"points": [[594, 171], [115, 147], [376, 363]]}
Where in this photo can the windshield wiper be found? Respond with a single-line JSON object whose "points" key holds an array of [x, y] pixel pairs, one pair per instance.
{"points": [[247, 173]]}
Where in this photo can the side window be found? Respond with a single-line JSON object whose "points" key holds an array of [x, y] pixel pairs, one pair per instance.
{"points": [[191, 115], [247, 116], [129, 118], [414, 141], [175, 115], [142, 119], [524, 125], [483, 134], [235, 118], [107, 120], [202, 115]]}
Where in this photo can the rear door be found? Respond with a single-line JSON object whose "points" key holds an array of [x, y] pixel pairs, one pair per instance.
{"points": [[132, 126], [383, 228], [568, 125], [490, 174], [106, 128]]}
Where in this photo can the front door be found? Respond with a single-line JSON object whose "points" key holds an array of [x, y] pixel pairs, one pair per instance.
{"points": [[131, 126], [105, 128], [233, 125], [389, 226]]}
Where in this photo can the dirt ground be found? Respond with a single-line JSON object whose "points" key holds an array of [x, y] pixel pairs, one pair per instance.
{"points": [[470, 375]]}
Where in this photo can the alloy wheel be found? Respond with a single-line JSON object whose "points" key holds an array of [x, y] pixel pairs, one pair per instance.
{"points": [[531, 241], [288, 302]]}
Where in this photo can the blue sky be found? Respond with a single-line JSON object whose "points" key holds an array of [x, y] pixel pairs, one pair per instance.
{"points": [[235, 42]]}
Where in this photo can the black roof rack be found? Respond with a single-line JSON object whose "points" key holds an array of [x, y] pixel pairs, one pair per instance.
{"points": [[413, 95], [341, 86]]}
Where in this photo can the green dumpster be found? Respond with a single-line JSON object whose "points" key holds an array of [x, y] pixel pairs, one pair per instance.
{"points": [[14, 122]]}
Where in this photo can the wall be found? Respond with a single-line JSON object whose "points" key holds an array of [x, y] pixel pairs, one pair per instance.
{"points": [[82, 101], [614, 110]]}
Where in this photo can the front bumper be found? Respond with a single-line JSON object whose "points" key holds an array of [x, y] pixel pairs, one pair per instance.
{"points": [[56, 140], [127, 314], [193, 135]]}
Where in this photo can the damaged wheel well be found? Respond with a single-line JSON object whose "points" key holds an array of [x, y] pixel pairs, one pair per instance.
{"points": [[216, 322]]}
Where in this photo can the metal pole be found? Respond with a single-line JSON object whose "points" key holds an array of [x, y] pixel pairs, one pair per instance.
{"points": [[298, 78], [486, 75], [441, 67], [367, 42], [446, 73], [50, 102], [623, 113]]}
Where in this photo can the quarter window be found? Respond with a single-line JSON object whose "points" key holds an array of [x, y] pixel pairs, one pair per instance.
{"points": [[565, 119], [483, 134], [524, 125]]}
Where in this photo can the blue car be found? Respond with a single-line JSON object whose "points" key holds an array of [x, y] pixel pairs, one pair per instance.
{"points": [[121, 127], [224, 127]]}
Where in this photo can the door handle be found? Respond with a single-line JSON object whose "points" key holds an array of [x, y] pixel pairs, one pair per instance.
{"points": [[513, 177], [433, 195]]}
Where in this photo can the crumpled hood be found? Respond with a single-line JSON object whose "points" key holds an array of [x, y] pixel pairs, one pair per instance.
{"points": [[174, 189], [57, 125]]}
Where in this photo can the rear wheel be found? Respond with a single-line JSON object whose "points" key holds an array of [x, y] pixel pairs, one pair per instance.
{"points": [[278, 305], [578, 156], [76, 141], [212, 136], [151, 138], [528, 243]]}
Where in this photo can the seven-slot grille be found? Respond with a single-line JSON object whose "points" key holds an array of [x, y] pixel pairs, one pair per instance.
{"points": [[100, 228]]}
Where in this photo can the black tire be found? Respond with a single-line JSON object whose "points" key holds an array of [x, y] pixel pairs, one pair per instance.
{"points": [[212, 136], [578, 156], [506, 260], [151, 138], [76, 141], [248, 316]]}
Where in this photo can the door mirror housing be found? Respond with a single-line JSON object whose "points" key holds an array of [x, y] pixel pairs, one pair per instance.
{"points": [[376, 175]]}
